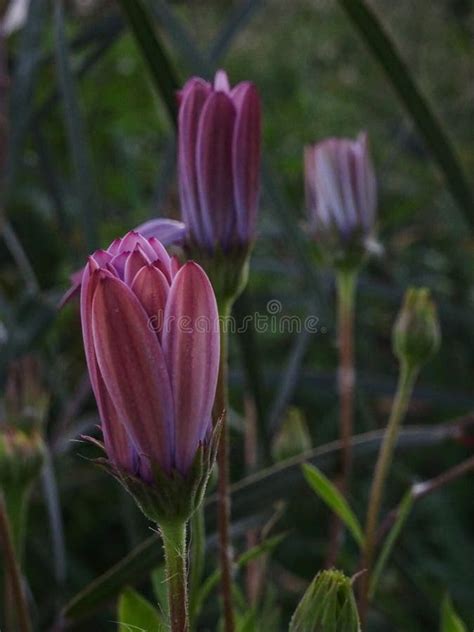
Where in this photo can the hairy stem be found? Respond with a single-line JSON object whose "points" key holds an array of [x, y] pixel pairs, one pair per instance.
{"points": [[221, 407], [406, 382], [174, 543]]}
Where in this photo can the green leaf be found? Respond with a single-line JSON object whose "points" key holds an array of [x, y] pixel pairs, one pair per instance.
{"points": [[429, 127], [136, 614], [251, 496], [159, 65], [333, 498], [23, 88], [403, 512], [158, 580], [254, 553], [450, 621]]}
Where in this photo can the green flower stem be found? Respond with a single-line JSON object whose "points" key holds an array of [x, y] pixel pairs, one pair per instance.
{"points": [[221, 407], [346, 285], [16, 503], [406, 382], [174, 543], [13, 572], [346, 282], [197, 555]]}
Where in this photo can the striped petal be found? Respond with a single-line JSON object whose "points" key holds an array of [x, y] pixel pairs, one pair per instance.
{"points": [[191, 348], [135, 262], [246, 158], [193, 101], [214, 168], [169, 232], [132, 365], [151, 288], [117, 443]]}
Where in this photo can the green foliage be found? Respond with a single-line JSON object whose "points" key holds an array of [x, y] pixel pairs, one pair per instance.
{"points": [[333, 498], [91, 153], [450, 621], [136, 613], [328, 605]]}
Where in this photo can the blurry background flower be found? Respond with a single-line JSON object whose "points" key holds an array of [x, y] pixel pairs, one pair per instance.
{"points": [[341, 197]]}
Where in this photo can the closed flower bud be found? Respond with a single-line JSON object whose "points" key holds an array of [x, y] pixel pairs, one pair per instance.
{"points": [[151, 337], [293, 437], [341, 197], [328, 605], [416, 334], [219, 176], [21, 458], [26, 400]]}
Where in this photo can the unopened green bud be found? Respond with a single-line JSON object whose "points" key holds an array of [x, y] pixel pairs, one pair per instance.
{"points": [[293, 437], [21, 457], [416, 334], [26, 401], [328, 605]]}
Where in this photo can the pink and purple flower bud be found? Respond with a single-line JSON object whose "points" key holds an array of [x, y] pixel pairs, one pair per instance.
{"points": [[169, 231], [151, 338], [219, 162], [341, 196]]}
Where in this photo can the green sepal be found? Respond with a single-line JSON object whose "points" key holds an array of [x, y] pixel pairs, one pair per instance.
{"points": [[328, 605], [227, 270], [171, 498], [345, 255], [416, 333]]}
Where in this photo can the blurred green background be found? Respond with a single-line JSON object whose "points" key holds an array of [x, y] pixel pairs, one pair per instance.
{"points": [[90, 154]]}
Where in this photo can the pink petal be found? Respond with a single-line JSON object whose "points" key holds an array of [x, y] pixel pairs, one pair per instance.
{"points": [[214, 168], [135, 261], [191, 347], [168, 231], [221, 81], [133, 239], [246, 158], [117, 443], [151, 288], [189, 114], [132, 365]]}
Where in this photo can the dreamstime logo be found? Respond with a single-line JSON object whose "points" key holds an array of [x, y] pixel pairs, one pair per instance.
{"points": [[273, 321]]}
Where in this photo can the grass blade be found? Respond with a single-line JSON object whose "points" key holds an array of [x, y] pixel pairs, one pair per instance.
{"points": [[76, 132], [23, 87], [430, 128], [250, 497], [240, 17], [159, 65], [403, 512], [450, 621], [333, 498]]}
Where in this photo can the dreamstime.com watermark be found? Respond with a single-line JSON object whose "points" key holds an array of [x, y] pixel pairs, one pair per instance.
{"points": [[273, 321]]}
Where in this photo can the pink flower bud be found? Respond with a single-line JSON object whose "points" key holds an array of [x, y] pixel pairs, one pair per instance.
{"points": [[151, 339]]}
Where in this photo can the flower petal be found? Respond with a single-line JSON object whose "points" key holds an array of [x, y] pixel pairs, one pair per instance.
{"points": [[221, 81], [214, 168], [135, 261], [151, 288], [190, 110], [117, 443], [168, 231], [132, 365], [246, 158], [191, 348]]}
